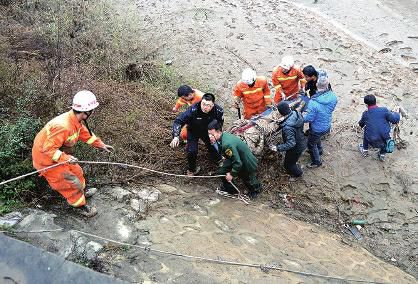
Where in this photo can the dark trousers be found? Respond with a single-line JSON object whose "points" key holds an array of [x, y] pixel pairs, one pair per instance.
{"points": [[193, 147], [290, 163], [315, 146], [376, 144]]}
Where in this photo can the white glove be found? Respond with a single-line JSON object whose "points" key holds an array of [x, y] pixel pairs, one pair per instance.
{"points": [[108, 148], [175, 142], [72, 160], [273, 148]]}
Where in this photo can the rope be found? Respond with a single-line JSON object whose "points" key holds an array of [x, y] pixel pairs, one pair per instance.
{"points": [[32, 173], [107, 163], [146, 169], [241, 196], [244, 198], [264, 268]]}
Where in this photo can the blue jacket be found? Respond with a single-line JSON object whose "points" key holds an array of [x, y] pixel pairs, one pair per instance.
{"points": [[376, 122], [319, 112]]}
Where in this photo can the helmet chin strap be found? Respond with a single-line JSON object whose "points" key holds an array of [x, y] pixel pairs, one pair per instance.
{"points": [[87, 125]]}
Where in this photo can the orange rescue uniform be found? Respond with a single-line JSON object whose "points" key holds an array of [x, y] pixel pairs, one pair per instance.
{"points": [[256, 98], [289, 83], [54, 144], [197, 97]]}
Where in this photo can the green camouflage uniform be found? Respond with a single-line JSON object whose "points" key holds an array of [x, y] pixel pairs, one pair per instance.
{"points": [[239, 161]]}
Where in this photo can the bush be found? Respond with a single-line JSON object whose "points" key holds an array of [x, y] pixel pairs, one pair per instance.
{"points": [[15, 160]]}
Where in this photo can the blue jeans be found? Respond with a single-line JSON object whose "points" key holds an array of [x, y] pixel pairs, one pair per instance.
{"points": [[315, 147]]}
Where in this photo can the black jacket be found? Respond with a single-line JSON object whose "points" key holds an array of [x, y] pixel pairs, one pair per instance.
{"points": [[197, 120], [311, 89], [292, 133]]}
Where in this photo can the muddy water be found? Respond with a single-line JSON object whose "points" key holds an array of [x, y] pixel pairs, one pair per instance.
{"points": [[192, 220]]}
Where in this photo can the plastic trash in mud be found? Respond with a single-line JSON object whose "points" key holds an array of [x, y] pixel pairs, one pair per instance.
{"points": [[288, 200], [359, 222], [354, 231]]}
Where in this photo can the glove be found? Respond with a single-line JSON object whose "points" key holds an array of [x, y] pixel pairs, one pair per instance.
{"points": [[72, 160], [175, 142], [108, 148], [283, 96], [273, 148]]}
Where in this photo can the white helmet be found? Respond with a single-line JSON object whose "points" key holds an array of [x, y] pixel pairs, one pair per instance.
{"points": [[287, 62], [248, 76], [84, 101]]}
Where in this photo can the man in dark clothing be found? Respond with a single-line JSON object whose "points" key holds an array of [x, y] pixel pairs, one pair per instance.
{"points": [[197, 117], [376, 123], [311, 77], [239, 160], [293, 138]]}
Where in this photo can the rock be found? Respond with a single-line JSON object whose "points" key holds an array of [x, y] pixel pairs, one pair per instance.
{"points": [[139, 205], [150, 195], [135, 204], [119, 193], [92, 249], [78, 244], [11, 219], [165, 188], [168, 62], [38, 220]]}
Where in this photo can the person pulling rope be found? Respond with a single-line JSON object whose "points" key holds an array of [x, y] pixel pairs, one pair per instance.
{"points": [[241, 196]]}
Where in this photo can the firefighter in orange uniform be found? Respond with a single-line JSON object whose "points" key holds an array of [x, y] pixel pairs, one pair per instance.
{"points": [[55, 144], [288, 80], [187, 96], [253, 91]]}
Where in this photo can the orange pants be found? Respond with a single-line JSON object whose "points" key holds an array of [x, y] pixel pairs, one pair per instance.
{"points": [[183, 133], [68, 180]]}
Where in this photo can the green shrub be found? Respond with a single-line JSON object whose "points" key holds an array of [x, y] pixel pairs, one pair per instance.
{"points": [[15, 160]]}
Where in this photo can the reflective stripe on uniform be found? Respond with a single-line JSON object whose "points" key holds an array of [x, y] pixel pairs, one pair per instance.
{"points": [[92, 139], [278, 87], [56, 155], [79, 201], [74, 136], [267, 97], [286, 78], [253, 91]]}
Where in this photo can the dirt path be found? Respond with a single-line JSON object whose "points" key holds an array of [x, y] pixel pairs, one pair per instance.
{"points": [[214, 40]]}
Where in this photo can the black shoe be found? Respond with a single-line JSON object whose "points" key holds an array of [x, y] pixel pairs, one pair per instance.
{"points": [[86, 210], [254, 194], [313, 166], [89, 192], [229, 190]]}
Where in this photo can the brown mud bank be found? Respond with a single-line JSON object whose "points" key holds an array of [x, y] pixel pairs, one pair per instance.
{"points": [[214, 40]]}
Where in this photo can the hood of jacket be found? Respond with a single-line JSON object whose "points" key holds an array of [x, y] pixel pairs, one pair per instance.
{"points": [[324, 97], [295, 120]]}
